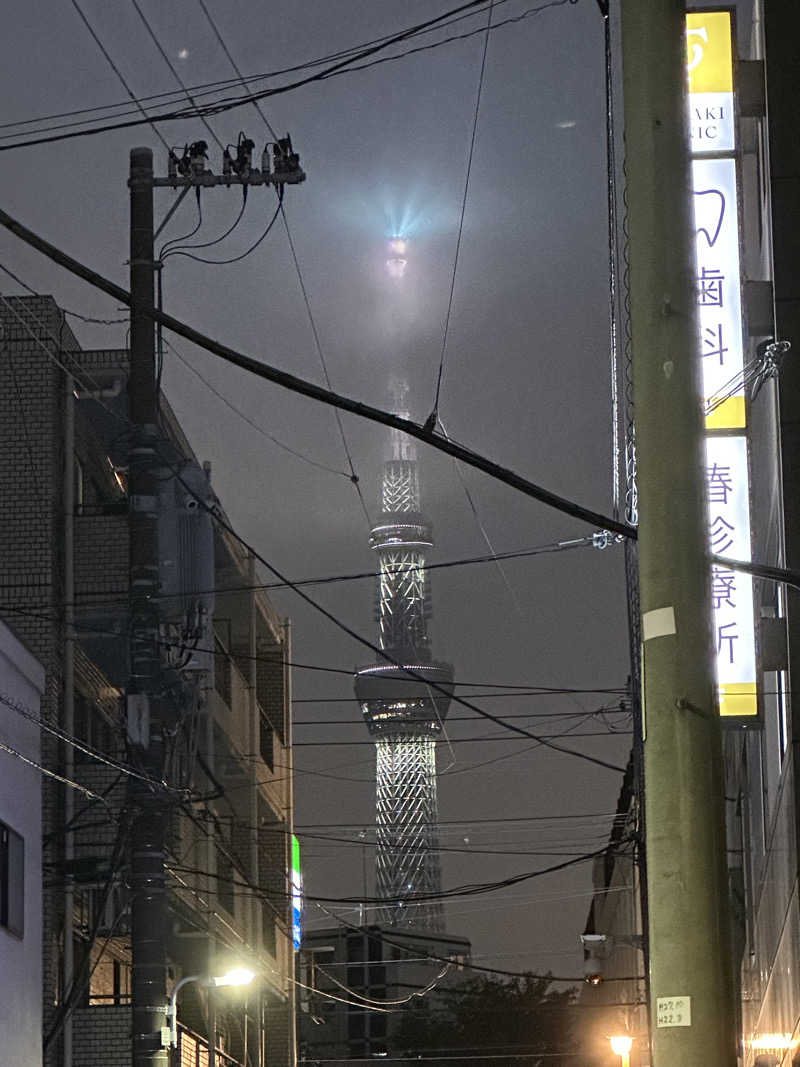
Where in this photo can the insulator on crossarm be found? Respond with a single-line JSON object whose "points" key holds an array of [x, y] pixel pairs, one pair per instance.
{"points": [[185, 163], [244, 156], [227, 165], [285, 158], [198, 157]]}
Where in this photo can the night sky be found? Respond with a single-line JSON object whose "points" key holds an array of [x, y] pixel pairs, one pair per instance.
{"points": [[526, 381]]}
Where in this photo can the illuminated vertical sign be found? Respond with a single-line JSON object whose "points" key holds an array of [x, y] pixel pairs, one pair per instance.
{"points": [[721, 347], [297, 895]]}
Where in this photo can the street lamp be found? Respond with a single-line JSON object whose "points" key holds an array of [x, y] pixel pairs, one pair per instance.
{"points": [[621, 1046], [236, 976]]}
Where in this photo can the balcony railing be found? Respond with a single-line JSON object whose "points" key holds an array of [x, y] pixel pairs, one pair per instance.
{"points": [[192, 1051]]}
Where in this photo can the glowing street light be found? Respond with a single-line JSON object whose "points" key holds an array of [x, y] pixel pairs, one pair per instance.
{"points": [[621, 1045], [237, 976]]}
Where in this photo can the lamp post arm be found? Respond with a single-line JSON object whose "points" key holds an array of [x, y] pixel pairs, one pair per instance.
{"points": [[173, 1006]]}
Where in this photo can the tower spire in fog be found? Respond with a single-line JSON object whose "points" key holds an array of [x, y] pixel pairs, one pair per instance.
{"points": [[404, 714]]}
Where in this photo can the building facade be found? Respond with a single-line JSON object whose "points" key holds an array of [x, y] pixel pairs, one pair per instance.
{"points": [[64, 573], [761, 746], [762, 785], [351, 974], [21, 686]]}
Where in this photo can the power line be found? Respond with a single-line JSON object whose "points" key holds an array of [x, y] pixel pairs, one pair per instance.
{"points": [[174, 72], [104, 595], [90, 794], [232, 62], [233, 259], [464, 740], [432, 419], [456, 718], [467, 890], [327, 396], [250, 422], [317, 344], [77, 743], [337, 69], [207, 88], [433, 957], [481, 821], [381, 653], [173, 251], [295, 384], [118, 73], [314, 331]]}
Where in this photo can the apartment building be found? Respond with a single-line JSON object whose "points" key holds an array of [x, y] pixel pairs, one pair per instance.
{"points": [[64, 574]]}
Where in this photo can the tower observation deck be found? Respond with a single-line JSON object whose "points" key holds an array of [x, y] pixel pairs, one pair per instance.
{"points": [[405, 714]]}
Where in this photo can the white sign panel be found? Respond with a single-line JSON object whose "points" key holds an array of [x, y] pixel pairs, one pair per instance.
{"points": [[711, 124], [716, 224], [731, 591], [673, 1011]]}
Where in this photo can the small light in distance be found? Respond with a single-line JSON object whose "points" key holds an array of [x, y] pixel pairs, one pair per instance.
{"points": [[396, 263], [183, 53], [567, 124]]}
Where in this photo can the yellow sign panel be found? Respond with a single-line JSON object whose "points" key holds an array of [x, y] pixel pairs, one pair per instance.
{"points": [[729, 415], [709, 54], [738, 700]]}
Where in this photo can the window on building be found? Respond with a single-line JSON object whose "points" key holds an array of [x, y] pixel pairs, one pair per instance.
{"points": [[267, 742], [12, 881], [222, 669], [78, 477], [225, 884], [110, 980], [268, 928], [355, 1023]]}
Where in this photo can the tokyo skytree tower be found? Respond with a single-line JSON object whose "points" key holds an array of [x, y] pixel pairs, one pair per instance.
{"points": [[404, 714]]}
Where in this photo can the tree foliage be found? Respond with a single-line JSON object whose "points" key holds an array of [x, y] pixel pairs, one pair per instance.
{"points": [[509, 1020]]}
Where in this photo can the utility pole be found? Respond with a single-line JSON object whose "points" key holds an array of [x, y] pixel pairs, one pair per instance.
{"points": [[692, 1010], [145, 713], [146, 705]]}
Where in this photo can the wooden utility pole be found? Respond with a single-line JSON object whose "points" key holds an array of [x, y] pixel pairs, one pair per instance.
{"points": [[692, 1011], [148, 887]]}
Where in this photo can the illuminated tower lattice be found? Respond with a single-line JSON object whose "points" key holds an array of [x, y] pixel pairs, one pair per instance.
{"points": [[404, 714]]}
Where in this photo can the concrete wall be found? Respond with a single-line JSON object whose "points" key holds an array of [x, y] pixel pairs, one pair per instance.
{"points": [[21, 683]]}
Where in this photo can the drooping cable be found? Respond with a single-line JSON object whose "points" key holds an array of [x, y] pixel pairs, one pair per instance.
{"points": [[242, 255], [299, 385], [295, 384], [434, 415], [186, 236], [484, 533], [177, 249], [317, 344], [246, 418]]}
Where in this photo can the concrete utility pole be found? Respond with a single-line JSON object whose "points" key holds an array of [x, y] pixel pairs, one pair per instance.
{"points": [[145, 721], [692, 1009]]}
